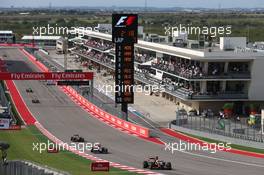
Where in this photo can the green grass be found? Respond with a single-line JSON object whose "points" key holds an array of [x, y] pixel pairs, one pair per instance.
{"points": [[21, 147], [239, 147]]}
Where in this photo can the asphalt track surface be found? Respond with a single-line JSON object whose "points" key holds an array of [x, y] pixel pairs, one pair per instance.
{"points": [[63, 118]]}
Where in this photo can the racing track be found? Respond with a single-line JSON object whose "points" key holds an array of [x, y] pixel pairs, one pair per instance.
{"points": [[63, 118]]}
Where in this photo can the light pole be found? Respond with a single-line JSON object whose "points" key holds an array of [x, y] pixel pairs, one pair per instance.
{"points": [[65, 50]]}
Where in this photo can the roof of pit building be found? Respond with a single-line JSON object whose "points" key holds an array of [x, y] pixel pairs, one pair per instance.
{"points": [[6, 32]]}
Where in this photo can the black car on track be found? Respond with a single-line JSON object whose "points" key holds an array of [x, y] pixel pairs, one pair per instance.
{"points": [[77, 138], [154, 163]]}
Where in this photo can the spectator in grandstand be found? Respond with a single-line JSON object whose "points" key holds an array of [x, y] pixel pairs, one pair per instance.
{"points": [[181, 69], [101, 45]]}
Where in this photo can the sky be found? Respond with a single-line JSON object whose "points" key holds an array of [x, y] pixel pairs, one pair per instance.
{"points": [[138, 3]]}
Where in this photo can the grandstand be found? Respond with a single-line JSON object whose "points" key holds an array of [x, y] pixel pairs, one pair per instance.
{"points": [[200, 78]]}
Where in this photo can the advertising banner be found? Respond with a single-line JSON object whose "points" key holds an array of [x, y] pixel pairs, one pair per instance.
{"points": [[47, 76], [100, 166]]}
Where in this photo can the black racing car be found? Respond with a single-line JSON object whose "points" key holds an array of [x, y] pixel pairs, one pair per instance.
{"points": [[154, 163], [77, 138], [35, 100], [99, 149], [29, 90]]}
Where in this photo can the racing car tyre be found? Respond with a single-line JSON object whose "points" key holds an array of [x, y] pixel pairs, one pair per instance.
{"points": [[105, 150], [168, 166], [145, 164], [152, 165]]}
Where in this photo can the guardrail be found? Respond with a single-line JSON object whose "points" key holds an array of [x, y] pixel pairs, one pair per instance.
{"points": [[227, 75], [231, 127]]}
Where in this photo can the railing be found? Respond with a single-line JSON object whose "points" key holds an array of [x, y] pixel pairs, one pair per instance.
{"points": [[19, 167], [187, 94], [102, 48], [228, 75], [211, 123]]}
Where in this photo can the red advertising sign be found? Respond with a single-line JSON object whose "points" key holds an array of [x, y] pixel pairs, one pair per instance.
{"points": [[100, 166], [52, 150], [47, 76]]}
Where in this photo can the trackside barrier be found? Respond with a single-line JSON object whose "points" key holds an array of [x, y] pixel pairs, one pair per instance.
{"points": [[34, 60], [22, 167], [136, 129], [190, 139], [16, 45], [12, 128], [133, 128]]}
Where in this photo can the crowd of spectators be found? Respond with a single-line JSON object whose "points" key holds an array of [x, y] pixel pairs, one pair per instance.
{"points": [[182, 69], [99, 44], [174, 85], [103, 58]]}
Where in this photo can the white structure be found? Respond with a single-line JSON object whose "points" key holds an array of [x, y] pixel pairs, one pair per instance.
{"points": [[61, 45], [180, 35], [107, 28], [230, 43], [41, 40], [6, 36], [210, 77]]}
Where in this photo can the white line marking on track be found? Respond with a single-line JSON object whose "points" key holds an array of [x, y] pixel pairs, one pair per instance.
{"points": [[224, 160]]}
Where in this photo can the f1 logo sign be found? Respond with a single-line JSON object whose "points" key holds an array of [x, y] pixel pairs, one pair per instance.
{"points": [[124, 28], [121, 20], [125, 21]]}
